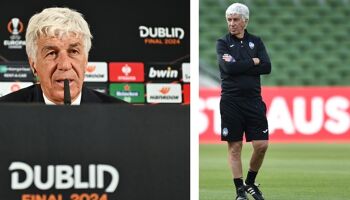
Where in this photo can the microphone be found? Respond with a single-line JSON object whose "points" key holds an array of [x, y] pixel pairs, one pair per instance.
{"points": [[67, 98]]}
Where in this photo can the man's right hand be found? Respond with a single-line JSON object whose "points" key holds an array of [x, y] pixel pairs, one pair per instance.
{"points": [[228, 58]]}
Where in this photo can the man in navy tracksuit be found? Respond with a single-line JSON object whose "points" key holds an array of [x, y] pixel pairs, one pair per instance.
{"points": [[242, 59]]}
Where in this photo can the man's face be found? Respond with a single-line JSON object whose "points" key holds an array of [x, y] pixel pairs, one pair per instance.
{"points": [[235, 24], [58, 59]]}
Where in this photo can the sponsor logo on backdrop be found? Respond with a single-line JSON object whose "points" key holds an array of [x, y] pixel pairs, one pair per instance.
{"points": [[3, 69], [163, 72], [96, 72], [186, 72], [15, 87], [8, 87], [163, 93], [15, 27], [126, 72], [161, 35], [132, 92], [306, 114], [164, 90], [63, 177], [16, 71], [90, 68], [127, 92], [126, 69]]}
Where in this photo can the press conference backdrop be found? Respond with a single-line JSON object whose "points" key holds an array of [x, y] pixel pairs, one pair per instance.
{"points": [[140, 50]]}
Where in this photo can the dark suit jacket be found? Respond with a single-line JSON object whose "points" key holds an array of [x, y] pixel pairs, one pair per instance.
{"points": [[35, 95]]}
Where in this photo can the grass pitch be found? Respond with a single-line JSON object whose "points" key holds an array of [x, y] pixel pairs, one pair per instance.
{"points": [[289, 172]]}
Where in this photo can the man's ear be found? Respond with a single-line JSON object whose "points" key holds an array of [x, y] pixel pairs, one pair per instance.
{"points": [[32, 66]]}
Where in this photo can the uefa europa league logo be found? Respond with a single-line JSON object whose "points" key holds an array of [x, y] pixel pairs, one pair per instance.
{"points": [[15, 22], [15, 26]]}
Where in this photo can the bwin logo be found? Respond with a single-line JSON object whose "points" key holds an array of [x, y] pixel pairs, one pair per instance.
{"points": [[168, 73], [62, 177]]}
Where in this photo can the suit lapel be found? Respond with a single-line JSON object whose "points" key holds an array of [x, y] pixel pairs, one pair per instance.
{"points": [[38, 94], [87, 96]]}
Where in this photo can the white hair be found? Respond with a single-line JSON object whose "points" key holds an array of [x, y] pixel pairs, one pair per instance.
{"points": [[238, 8], [56, 22]]}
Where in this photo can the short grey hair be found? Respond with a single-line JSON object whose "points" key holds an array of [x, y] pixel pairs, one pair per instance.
{"points": [[56, 22], [238, 8]]}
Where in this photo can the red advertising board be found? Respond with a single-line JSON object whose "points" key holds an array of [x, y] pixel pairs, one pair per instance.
{"points": [[186, 93], [295, 114], [126, 72]]}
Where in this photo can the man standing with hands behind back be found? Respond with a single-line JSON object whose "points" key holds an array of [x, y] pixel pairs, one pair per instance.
{"points": [[242, 59], [58, 41]]}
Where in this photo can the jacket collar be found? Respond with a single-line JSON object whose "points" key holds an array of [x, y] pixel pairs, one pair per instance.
{"points": [[245, 36]]}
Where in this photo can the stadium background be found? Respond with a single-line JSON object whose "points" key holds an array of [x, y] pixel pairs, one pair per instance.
{"points": [[307, 95], [140, 51]]}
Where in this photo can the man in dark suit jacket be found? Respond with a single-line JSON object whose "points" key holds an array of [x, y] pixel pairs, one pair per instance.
{"points": [[58, 41]]}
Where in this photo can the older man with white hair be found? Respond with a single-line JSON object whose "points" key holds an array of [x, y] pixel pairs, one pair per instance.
{"points": [[58, 41], [242, 58]]}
